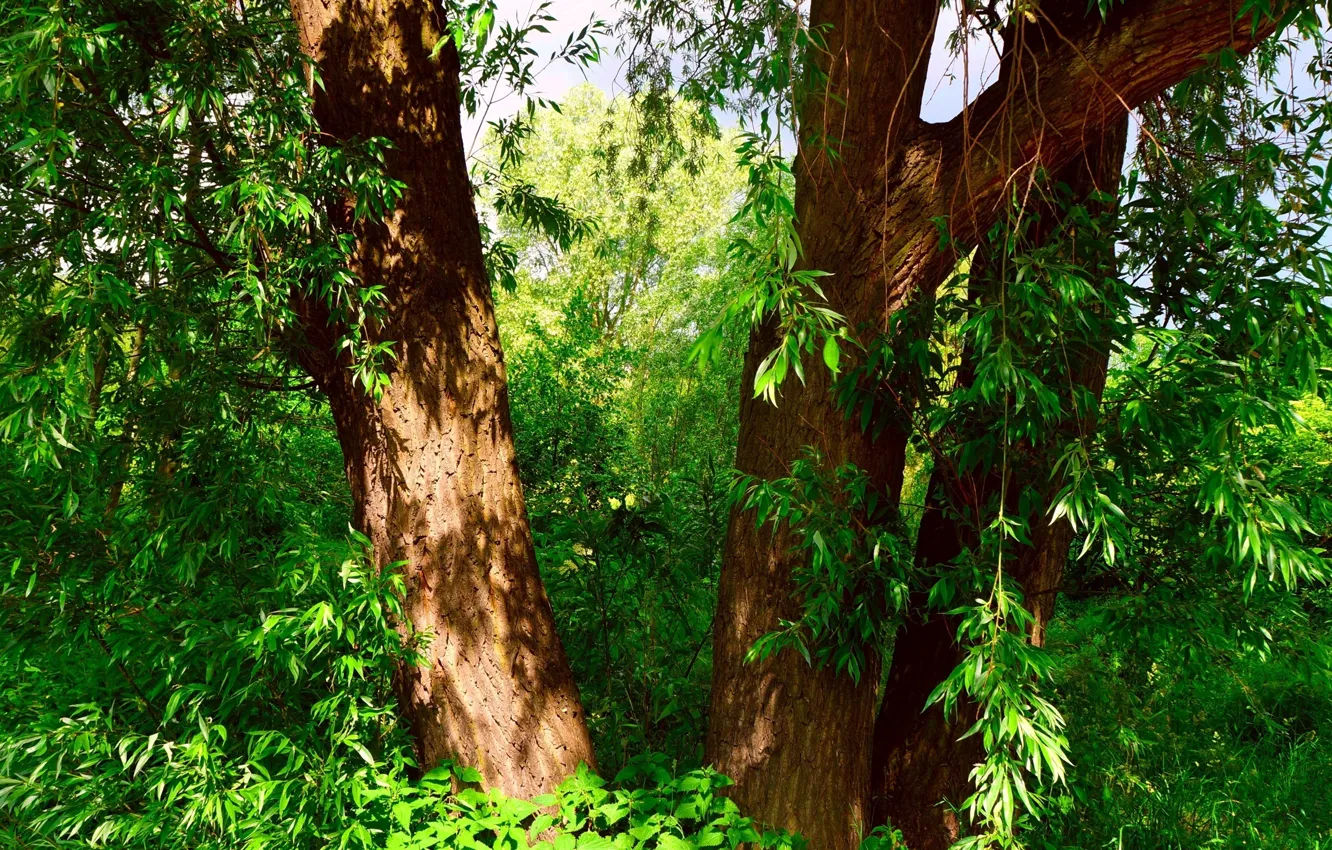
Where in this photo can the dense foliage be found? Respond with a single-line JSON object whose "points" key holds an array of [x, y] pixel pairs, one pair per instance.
{"points": [[195, 648], [625, 448]]}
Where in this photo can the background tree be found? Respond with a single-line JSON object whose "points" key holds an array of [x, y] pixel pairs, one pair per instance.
{"points": [[625, 448]]}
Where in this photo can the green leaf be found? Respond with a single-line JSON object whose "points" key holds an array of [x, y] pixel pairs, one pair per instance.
{"points": [[832, 355]]}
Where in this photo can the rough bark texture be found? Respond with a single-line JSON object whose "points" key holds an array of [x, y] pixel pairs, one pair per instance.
{"points": [[795, 739], [431, 464]]}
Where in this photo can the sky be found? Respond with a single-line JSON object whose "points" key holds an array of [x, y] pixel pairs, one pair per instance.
{"points": [[951, 79], [943, 91]]}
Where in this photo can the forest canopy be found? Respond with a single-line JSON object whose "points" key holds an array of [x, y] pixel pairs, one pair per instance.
{"points": [[394, 455]]}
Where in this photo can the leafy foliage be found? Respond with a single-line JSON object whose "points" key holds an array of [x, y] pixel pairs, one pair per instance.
{"points": [[854, 588], [195, 653], [624, 449], [654, 810], [1197, 708]]}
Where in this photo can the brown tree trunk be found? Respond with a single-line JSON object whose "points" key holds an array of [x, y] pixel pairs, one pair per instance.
{"points": [[921, 762], [795, 739], [431, 464]]}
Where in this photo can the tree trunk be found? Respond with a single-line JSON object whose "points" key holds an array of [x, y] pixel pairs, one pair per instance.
{"points": [[431, 464], [795, 739], [921, 762]]}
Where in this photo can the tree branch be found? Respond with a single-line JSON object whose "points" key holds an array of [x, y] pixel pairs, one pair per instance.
{"points": [[1063, 83], [1069, 79]]}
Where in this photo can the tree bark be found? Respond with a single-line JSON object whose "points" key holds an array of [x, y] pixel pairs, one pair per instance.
{"points": [[921, 762], [431, 464], [797, 740]]}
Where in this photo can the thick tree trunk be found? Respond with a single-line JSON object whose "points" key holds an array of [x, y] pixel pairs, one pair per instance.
{"points": [[795, 738], [431, 464], [921, 762]]}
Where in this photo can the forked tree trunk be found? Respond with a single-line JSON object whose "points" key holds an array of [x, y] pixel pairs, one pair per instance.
{"points": [[922, 764], [796, 739], [431, 464]]}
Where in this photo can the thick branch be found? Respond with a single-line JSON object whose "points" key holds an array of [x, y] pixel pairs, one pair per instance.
{"points": [[1067, 81]]}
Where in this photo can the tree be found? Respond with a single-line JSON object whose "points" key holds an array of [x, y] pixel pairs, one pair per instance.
{"points": [[877, 189], [655, 258], [202, 181], [431, 460]]}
